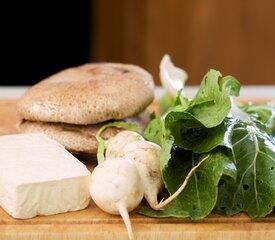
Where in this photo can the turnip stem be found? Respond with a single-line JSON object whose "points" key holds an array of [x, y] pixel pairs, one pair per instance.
{"points": [[125, 216], [175, 194], [101, 141]]}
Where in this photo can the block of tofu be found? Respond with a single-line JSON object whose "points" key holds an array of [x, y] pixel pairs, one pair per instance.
{"points": [[39, 177]]}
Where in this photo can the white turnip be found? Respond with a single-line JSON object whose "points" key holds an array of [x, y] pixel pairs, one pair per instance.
{"points": [[147, 158], [115, 144], [129, 171], [116, 188]]}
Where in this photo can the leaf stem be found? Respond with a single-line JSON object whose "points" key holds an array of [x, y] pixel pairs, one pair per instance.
{"points": [[102, 143]]}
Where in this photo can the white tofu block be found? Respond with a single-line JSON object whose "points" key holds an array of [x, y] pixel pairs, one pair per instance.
{"points": [[39, 177]]}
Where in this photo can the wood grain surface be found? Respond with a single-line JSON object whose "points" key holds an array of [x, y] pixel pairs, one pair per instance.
{"points": [[235, 37], [92, 223]]}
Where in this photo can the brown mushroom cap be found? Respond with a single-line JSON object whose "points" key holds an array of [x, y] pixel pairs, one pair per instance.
{"points": [[77, 138], [89, 94]]}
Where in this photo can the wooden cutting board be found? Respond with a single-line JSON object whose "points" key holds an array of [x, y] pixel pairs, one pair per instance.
{"points": [[92, 223]]}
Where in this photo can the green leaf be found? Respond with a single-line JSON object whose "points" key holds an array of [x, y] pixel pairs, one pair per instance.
{"points": [[201, 139], [157, 133], [230, 169], [199, 197], [261, 112], [212, 102], [180, 115], [264, 113], [210, 105], [254, 189], [181, 100], [208, 88], [165, 102], [231, 85]]}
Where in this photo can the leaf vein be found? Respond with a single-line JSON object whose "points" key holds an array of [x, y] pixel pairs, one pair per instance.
{"points": [[239, 141]]}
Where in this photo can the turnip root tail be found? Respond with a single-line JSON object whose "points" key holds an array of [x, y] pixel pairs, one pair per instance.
{"points": [[175, 194], [125, 216]]}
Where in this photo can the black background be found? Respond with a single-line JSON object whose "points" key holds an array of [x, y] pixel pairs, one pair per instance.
{"points": [[40, 38]]}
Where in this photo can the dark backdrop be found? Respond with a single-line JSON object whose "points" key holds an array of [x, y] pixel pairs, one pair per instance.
{"points": [[40, 38]]}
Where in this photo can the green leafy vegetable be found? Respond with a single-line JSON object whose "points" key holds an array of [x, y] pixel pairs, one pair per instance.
{"points": [[264, 113], [239, 174], [210, 105], [201, 139], [199, 197], [254, 190], [157, 133], [173, 134]]}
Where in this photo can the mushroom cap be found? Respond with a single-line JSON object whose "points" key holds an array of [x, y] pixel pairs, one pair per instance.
{"points": [[77, 138], [89, 94]]}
